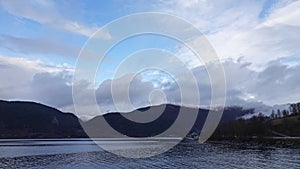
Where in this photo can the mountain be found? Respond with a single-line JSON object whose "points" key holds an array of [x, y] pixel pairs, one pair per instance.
{"points": [[33, 120], [119, 122]]}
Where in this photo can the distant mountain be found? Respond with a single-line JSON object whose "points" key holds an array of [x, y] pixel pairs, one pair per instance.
{"points": [[33, 120]]}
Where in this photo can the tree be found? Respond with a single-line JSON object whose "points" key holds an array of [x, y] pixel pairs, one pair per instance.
{"points": [[298, 108], [273, 115], [279, 113], [285, 113], [295, 108]]}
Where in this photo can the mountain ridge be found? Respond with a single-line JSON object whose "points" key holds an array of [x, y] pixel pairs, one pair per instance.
{"points": [[22, 119]]}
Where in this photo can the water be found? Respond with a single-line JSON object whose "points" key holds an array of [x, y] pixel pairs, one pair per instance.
{"points": [[83, 153]]}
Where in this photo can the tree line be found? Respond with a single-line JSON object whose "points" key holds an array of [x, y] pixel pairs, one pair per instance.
{"points": [[285, 122], [294, 109]]}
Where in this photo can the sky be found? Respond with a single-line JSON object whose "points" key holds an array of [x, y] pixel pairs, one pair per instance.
{"points": [[257, 42]]}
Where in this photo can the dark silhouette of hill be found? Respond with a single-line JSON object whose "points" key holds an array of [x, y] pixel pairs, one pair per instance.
{"points": [[34, 120], [120, 122]]}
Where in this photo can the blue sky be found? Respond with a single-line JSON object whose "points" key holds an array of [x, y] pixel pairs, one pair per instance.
{"points": [[43, 38], [93, 14], [19, 27]]}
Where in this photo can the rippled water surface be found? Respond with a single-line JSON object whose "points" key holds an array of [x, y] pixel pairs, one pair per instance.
{"points": [[83, 153]]}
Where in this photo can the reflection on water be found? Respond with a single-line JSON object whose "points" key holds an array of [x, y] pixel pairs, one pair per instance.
{"points": [[83, 153]]}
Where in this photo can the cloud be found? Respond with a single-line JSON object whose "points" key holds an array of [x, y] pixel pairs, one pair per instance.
{"points": [[212, 16], [275, 84], [235, 29], [287, 15], [47, 13], [52, 85], [23, 79], [52, 89], [37, 46], [278, 83], [126, 88], [16, 75]]}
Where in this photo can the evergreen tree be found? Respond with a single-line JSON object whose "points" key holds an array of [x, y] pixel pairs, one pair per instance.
{"points": [[285, 113], [273, 115], [279, 113]]}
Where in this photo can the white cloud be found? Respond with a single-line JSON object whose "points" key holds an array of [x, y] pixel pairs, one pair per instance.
{"points": [[37, 46], [129, 92], [277, 83], [52, 89], [288, 15], [235, 29], [16, 75], [34, 65], [45, 12]]}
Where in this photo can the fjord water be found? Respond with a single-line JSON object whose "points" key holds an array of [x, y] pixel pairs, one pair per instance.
{"points": [[83, 153]]}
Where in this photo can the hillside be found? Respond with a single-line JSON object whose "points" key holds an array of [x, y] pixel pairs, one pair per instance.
{"points": [[289, 125], [33, 120], [162, 123], [259, 126]]}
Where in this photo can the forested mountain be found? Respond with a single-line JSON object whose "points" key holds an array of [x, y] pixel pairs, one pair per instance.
{"points": [[34, 120]]}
